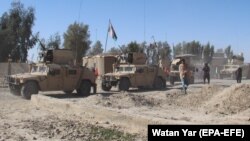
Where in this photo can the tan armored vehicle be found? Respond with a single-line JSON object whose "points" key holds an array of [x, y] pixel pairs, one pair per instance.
{"points": [[134, 76], [54, 75], [133, 73], [174, 74], [229, 71]]}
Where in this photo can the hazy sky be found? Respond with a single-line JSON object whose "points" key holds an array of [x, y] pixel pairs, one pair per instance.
{"points": [[220, 22]]}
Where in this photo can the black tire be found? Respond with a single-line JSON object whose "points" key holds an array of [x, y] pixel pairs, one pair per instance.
{"points": [[84, 89], [123, 84], [106, 88], [94, 88], [159, 83], [171, 80], [28, 89], [68, 91]]}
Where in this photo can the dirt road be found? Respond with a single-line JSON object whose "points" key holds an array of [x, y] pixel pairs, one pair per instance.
{"points": [[22, 121], [221, 102]]}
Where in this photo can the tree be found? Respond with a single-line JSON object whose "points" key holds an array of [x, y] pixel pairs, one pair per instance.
{"points": [[208, 53], [16, 32], [77, 39], [115, 51], [164, 50], [54, 41], [229, 52], [178, 49], [134, 47], [96, 49]]}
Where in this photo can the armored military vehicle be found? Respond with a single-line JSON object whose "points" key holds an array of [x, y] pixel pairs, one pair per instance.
{"points": [[134, 76], [174, 74], [229, 71], [133, 73], [53, 74]]}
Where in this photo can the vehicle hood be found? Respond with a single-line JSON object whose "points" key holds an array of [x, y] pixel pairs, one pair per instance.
{"points": [[118, 74], [28, 75], [229, 70]]}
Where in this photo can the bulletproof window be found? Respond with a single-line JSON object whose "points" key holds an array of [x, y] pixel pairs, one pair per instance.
{"points": [[128, 68], [175, 67], [72, 72], [120, 68], [34, 69]]}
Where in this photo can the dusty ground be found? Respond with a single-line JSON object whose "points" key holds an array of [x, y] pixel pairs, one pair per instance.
{"points": [[22, 121], [221, 102]]}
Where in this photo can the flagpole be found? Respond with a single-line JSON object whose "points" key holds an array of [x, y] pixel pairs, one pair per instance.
{"points": [[107, 37]]}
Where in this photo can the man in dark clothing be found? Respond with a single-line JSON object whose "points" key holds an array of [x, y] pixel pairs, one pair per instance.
{"points": [[206, 74], [239, 75]]}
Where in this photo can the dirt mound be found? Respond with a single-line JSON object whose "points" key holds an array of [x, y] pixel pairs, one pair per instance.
{"points": [[157, 99], [231, 100], [55, 128], [124, 100], [198, 97]]}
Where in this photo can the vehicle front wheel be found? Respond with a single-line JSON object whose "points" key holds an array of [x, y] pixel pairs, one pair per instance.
{"points": [[28, 89], [171, 80], [84, 89], [123, 84], [106, 88], [159, 83]]}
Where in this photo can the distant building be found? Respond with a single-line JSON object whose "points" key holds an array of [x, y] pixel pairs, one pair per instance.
{"points": [[217, 63]]}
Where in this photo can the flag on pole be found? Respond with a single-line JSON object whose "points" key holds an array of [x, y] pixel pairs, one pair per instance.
{"points": [[111, 31]]}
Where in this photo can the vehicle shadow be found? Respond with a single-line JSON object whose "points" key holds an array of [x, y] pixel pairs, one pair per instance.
{"points": [[76, 96]]}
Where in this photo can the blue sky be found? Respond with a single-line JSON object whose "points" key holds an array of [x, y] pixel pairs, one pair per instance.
{"points": [[220, 22]]}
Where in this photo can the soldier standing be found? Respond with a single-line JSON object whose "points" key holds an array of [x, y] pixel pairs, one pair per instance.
{"points": [[239, 75], [206, 74]]}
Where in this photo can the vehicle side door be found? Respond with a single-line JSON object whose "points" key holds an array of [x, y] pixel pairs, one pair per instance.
{"points": [[55, 81], [71, 78], [151, 74], [140, 76]]}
